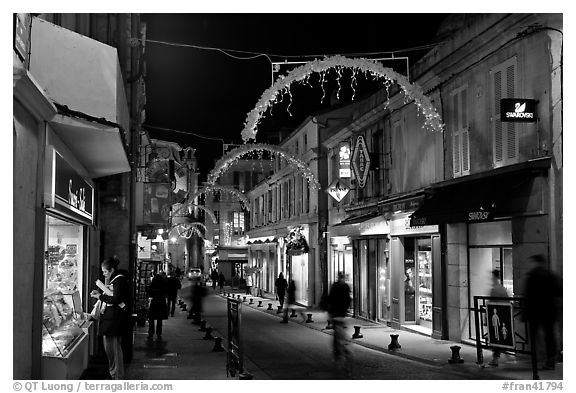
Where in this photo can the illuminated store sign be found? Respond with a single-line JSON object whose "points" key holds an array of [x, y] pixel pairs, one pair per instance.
{"points": [[517, 110], [67, 191], [338, 189], [361, 161], [344, 160]]}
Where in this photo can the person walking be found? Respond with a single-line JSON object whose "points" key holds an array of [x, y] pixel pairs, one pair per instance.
{"points": [[214, 279], [158, 309], [173, 284], [339, 300], [114, 320], [281, 284], [221, 281], [497, 290], [291, 300], [249, 284], [543, 294], [198, 293]]}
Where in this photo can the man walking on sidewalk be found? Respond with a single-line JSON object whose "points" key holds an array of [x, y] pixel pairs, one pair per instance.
{"points": [[338, 303]]}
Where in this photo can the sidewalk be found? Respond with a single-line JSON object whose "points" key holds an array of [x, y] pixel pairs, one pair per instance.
{"points": [[414, 346]]}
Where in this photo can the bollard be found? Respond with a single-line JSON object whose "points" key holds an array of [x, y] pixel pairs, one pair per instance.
{"points": [[309, 320], [293, 313], [279, 311], [394, 344], [208, 335], [202, 326], [269, 306], [251, 301], [218, 345], [329, 326], [259, 303], [244, 299], [455, 355], [357, 333]]}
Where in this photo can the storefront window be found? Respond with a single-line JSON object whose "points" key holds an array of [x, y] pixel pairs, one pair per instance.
{"points": [[62, 305], [490, 248], [409, 288], [383, 281], [64, 255], [425, 281]]}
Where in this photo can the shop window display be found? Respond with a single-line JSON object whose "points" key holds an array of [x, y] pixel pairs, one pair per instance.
{"points": [[63, 317]]}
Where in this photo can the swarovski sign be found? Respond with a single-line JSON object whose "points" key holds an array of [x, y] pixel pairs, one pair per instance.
{"points": [[517, 110]]}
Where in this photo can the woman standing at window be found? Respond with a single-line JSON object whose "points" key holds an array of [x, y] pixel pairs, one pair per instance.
{"points": [[115, 318]]}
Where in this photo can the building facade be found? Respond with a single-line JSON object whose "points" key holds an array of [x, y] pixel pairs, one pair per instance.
{"points": [[285, 206], [73, 105], [227, 237], [422, 227]]}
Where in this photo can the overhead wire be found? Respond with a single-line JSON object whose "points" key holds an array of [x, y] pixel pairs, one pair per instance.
{"points": [[254, 55]]}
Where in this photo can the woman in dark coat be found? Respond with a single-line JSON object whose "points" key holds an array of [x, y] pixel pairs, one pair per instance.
{"points": [[115, 319], [158, 309]]}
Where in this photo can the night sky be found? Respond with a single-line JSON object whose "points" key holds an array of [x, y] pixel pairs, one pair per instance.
{"points": [[209, 93]]}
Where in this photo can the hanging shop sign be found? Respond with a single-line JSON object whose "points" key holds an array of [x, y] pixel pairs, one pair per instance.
{"points": [[338, 189], [518, 110], [344, 160], [68, 193], [22, 26], [361, 161], [157, 203]]}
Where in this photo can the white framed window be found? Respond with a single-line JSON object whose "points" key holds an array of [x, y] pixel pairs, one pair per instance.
{"points": [[504, 135], [460, 131]]}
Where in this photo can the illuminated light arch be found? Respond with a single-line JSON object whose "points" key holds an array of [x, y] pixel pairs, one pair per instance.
{"points": [[234, 155], [412, 91], [187, 230]]}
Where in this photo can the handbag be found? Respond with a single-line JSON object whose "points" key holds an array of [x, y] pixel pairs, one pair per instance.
{"points": [[98, 309]]}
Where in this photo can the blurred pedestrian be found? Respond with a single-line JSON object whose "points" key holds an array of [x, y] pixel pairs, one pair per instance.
{"points": [[173, 284], [221, 281], [249, 284], [291, 301], [115, 318], [543, 293], [339, 300], [178, 273], [198, 292], [497, 290], [158, 309], [281, 284], [214, 278]]}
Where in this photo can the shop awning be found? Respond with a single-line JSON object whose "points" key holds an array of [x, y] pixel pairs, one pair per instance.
{"points": [[500, 193], [83, 79], [361, 225]]}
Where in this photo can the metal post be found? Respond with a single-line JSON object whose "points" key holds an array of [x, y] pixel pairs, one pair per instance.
{"points": [[479, 355]]}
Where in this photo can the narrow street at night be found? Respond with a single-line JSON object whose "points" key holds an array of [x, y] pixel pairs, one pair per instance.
{"points": [[370, 195]]}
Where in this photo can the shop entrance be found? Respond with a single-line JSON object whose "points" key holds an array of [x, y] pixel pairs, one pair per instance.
{"points": [[418, 282]]}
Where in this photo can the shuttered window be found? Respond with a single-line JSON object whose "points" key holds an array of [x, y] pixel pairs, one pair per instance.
{"points": [[504, 134], [460, 132]]}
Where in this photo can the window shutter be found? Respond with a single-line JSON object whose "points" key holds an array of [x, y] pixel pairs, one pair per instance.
{"points": [[456, 135], [504, 134], [511, 148], [498, 156], [464, 135]]}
